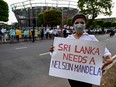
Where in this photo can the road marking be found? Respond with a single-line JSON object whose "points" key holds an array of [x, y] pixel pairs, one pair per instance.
{"points": [[107, 39], [42, 54], [21, 48]]}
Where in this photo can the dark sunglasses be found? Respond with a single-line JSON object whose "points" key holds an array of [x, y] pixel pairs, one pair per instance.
{"points": [[80, 23]]}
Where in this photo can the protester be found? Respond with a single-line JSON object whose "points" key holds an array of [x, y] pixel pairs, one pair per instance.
{"points": [[64, 32], [42, 34], [79, 23], [112, 33], [51, 33], [18, 33], [26, 34], [46, 33], [12, 35], [55, 33], [3, 34]]}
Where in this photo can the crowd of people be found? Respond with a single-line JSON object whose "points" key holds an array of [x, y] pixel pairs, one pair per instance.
{"points": [[26, 34], [16, 35]]}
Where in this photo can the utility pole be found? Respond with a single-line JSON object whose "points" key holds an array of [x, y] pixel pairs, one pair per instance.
{"points": [[62, 18], [33, 31]]}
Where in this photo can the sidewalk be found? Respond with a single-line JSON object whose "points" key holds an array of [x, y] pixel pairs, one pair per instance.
{"points": [[109, 76]]}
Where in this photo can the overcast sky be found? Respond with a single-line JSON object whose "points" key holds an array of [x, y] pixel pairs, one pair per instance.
{"points": [[13, 19]]}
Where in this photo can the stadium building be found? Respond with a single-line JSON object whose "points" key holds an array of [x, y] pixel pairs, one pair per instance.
{"points": [[26, 11]]}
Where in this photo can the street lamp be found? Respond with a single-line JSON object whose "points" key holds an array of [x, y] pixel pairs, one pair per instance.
{"points": [[36, 16]]}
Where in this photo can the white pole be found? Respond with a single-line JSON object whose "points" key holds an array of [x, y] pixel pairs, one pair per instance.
{"points": [[62, 19]]}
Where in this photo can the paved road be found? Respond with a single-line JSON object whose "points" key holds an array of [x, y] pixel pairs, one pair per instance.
{"points": [[26, 64], [109, 41], [22, 66]]}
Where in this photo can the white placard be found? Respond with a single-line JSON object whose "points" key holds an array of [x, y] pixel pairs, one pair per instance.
{"points": [[78, 60]]}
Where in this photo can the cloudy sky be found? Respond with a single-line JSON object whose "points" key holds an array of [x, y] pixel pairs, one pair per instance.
{"points": [[13, 19]]}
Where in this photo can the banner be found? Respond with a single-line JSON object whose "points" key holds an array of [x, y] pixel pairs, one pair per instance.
{"points": [[77, 59]]}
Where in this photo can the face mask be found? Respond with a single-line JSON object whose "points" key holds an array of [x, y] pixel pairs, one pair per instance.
{"points": [[79, 27]]}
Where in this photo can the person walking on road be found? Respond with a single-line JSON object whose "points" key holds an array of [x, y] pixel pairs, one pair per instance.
{"points": [[79, 23]]}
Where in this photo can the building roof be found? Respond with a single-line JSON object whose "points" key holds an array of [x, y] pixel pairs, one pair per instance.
{"points": [[35, 3]]}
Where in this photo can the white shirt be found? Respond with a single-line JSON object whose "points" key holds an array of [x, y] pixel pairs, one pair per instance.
{"points": [[3, 30], [86, 36]]}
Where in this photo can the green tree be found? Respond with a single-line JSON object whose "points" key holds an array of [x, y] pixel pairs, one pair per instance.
{"points": [[100, 23], [93, 25], [107, 24], [41, 19], [53, 17], [114, 24], [4, 10], [69, 22], [93, 8]]}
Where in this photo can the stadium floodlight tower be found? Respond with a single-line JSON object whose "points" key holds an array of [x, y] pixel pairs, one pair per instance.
{"points": [[69, 3], [33, 31]]}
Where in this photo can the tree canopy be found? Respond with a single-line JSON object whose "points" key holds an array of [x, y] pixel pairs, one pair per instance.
{"points": [[93, 8], [69, 21], [41, 19], [4, 10], [53, 17]]}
